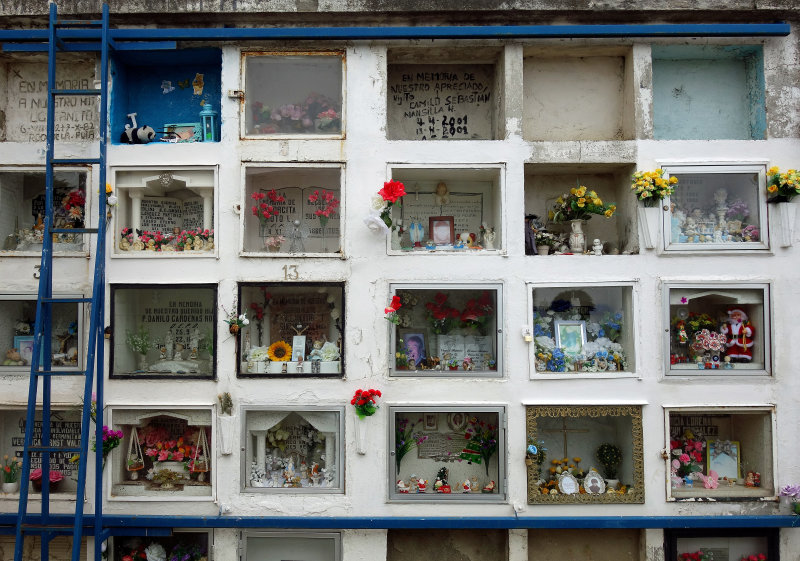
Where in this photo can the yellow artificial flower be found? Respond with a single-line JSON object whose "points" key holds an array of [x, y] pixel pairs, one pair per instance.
{"points": [[772, 188], [109, 190], [597, 202], [673, 180], [608, 213], [280, 351], [573, 191], [576, 459], [773, 170]]}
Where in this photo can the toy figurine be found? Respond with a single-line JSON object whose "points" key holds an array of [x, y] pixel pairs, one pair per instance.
{"points": [[422, 485], [488, 238], [726, 363], [466, 487], [597, 247], [739, 334], [750, 481], [402, 487], [489, 488], [683, 338]]}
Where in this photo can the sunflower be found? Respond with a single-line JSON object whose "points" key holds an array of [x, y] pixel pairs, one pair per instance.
{"points": [[280, 351]]}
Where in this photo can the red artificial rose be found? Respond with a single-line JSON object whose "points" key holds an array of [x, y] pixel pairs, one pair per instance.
{"points": [[378, 393], [392, 190], [362, 401]]}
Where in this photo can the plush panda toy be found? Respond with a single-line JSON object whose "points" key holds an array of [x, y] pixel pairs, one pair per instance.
{"points": [[137, 135]]}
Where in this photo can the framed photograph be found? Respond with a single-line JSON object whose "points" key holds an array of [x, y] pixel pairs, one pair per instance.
{"points": [[24, 344], [570, 336], [724, 458], [415, 347], [298, 348], [441, 229], [182, 132], [457, 421], [594, 484], [431, 421]]}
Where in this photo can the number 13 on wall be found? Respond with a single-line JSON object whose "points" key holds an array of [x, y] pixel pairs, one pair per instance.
{"points": [[290, 272]]}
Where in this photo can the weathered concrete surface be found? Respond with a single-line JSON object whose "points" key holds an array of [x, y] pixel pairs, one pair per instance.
{"points": [[588, 545], [453, 545]]}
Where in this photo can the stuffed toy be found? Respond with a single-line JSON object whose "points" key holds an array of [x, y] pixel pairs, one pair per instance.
{"points": [[13, 358], [137, 135]]}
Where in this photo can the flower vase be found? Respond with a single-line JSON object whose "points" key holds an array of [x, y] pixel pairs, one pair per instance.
{"points": [[649, 217], [143, 363], [577, 239], [12, 487], [542, 249], [612, 484], [786, 218], [361, 435]]}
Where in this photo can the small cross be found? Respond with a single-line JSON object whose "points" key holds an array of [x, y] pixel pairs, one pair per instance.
{"points": [[564, 430]]}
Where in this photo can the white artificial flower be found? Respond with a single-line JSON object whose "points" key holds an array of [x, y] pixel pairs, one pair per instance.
{"points": [[330, 352], [335, 314], [546, 343], [112, 200], [376, 224], [377, 204], [330, 299], [155, 552]]}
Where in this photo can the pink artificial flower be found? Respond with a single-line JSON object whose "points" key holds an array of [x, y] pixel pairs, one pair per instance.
{"points": [[684, 458]]}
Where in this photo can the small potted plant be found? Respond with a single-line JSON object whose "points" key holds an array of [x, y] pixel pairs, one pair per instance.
{"points": [[609, 457], [791, 494], [544, 241], [11, 469], [274, 243]]}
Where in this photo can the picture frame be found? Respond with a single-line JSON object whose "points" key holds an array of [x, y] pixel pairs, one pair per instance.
{"points": [[24, 344], [724, 457], [594, 484], [457, 421], [570, 336], [416, 346], [298, 348], [431, 421], [441, 229], [183, 132]]}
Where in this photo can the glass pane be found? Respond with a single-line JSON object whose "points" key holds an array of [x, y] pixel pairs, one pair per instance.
{"points": [[293, 95], [22, 209], [164, 455], [165, 211], [583, 329], [181, 546], [446, 453], [287, 546], [164, 331], [292, 210], [446, 330], [17, 318], [717, 328], [292, 450], [293, 329], [724, 548], [718, 208]]}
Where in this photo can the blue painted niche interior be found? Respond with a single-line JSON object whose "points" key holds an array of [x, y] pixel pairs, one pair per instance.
{"points": [[137, 79], [708, 92]]}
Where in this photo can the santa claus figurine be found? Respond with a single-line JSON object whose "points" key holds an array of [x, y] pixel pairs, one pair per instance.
{"points": [[739, 335]]}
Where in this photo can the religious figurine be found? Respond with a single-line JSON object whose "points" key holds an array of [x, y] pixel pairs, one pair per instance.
{"points": [[597, 247], [151, 245], [296, 236], [198, 244], [209, 243], [416, 232], [739, 334], [138, 245], [124, 244], [168, 344], [442, 193], [683, 338], [194, 342], [488, 238]]}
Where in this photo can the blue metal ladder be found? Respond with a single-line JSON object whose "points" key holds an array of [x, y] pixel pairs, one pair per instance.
{"points": [[43, 525]]}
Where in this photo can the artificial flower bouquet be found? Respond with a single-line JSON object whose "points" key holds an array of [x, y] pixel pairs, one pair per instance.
{"points": [[481, 442], [687, 457], [235, 323], [365, 402], [406, 438], [11, 468], [56, 477], [380, 216], [695, 556], [651, 187], [782, 187], [391, 311], [792, 493], [327, 203], [442, 317], [297, 118], [580, 204]]}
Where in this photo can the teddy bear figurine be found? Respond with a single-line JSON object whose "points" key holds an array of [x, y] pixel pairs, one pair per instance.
{"points": [[13, 358]]}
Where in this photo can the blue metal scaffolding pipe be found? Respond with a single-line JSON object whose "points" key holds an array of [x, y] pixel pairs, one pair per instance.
{"points": [[128, 523], [425, 32]]}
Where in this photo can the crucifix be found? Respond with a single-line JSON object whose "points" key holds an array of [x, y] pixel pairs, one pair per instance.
{"points": [[565, 431]]}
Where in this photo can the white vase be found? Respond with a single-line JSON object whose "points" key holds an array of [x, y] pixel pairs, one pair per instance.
{"points": [[177, 467], [786, 217], [12, 487], [612, 484], [577, 239], [542, 249], [649, 219], [227, 424]]}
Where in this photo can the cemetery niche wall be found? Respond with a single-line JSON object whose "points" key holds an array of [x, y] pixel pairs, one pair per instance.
{"points": [[293, 209], [718, 329], [279, 545], [293, 94], [22, 210], [447, 330], [716, 208], [161, 331], [293, 451], [584, 330], [165, 212], [17, 318], [721, 453], [443, 94], [447, 454], [295, 329], [448, 210], [163, 455], [65, 431], [584, 454], [756, 544]]}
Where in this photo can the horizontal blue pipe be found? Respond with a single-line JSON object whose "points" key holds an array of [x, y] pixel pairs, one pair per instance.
{"points": [[90, 47], [429, 32], [126, 523]]}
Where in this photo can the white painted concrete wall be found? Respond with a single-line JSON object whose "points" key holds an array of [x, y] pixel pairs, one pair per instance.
{"points": [[367, 271]]}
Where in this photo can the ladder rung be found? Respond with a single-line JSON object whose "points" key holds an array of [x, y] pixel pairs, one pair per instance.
{"points": [[75, 92], [60, 372], [73, 161], [53, 449], [74, 231], [66, 300]]}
